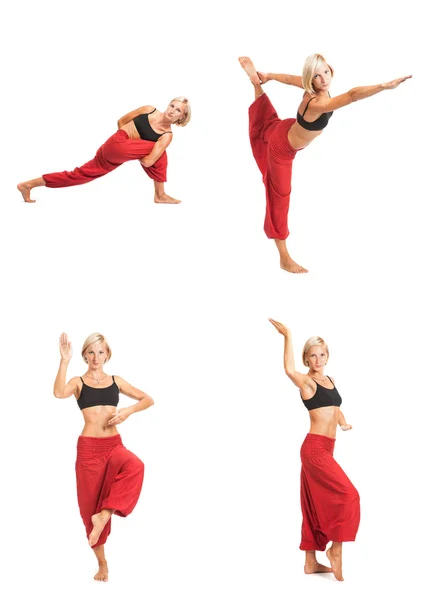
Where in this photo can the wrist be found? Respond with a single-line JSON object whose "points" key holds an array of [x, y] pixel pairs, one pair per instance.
{"points": [[64, 361]]}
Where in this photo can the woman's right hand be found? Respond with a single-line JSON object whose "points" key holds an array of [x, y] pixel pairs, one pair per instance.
{"points": [[65, 347], [280, 328], [264, 77]]}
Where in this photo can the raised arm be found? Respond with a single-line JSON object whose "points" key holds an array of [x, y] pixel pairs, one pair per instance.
{"points": [[143, 401], [62, 389], [322, 104], [299, 379], [157, 150], [282, 78], [133, 114]]}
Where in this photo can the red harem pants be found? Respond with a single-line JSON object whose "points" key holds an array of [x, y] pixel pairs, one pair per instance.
{"points": [[119, 148], [274, 156], [330, 503], [108, 476]]}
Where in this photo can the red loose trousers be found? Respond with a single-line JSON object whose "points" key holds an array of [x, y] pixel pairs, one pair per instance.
{"points": [[119, 148], [274, 157], [330, 503], [108, 476]]}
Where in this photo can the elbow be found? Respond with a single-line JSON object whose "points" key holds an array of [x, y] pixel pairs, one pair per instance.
{"points": [[289, 372], [147, 162], [57, 394], [151, 402], [353, 95]]}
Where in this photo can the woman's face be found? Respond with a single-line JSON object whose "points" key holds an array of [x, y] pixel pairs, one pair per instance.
{"points": [[317, 358], [321, 79], [175, 111], [96, 355]]}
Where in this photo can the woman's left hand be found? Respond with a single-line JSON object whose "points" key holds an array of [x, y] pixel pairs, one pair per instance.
{"points": [[346, 427], [120, 416], [391, 85]]}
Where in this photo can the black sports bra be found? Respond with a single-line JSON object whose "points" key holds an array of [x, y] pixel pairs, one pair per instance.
{"points": [[89, 396], [145, 130], [317, 125], [323, 397]]}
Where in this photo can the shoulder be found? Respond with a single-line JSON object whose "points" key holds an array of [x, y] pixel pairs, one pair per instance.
{"points": [[76, 383], [119, 381]]}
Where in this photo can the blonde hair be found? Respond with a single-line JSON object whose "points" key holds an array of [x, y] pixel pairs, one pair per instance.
{"points": [[313, 341], [186, 119], [92, 339], [312, 63]]}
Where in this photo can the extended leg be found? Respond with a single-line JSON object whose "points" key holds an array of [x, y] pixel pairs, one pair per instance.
{"points": [[103, 572], [161, 197], [26, 186]]}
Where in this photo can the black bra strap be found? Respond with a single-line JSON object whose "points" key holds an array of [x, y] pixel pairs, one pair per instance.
{"points": [[306, 107], [82, 379], [165, 132], [330, 379], [113, 377], [152, 111]]}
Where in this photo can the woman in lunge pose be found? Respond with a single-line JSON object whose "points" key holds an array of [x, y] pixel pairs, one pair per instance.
{"points": [[143, 135], [275, 142], [329, 501], [109, 477]]}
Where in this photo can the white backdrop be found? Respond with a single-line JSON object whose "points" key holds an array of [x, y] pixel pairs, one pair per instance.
{"points": [[183, 294]]}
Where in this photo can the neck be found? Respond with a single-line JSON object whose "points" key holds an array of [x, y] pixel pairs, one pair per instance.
{"points": [[319, 375], [96, 373]]}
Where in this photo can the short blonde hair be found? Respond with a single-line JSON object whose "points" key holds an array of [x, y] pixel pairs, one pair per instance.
{"points": [[312, 63], [92, 339], [186, 119], [313, 341]]}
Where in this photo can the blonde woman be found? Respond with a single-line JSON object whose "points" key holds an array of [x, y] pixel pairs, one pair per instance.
{"points": [[109, 477], [275, 142], [329, 501], [143, 135]]}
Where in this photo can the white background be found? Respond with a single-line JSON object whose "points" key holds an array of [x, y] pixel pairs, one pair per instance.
{"points": [[183, 294]]}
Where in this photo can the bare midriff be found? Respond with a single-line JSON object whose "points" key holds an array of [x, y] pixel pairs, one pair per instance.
{"points": [[299, 137], [131, 130], [324, 420], [96, 421]]}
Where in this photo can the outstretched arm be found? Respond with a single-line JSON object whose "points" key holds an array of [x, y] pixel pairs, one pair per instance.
{"points": [[157, 150], [143, 401], [321, 104], [299, 379], [133, 114], [282, 78], [62, 389], [342, 422]]}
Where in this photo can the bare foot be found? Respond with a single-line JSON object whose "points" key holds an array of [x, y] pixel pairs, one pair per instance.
{"points": [[336, 563], [165, 199], [99, 521], [103, 573], [25, 190], [316, 567], [249, 67], [289, 265]]}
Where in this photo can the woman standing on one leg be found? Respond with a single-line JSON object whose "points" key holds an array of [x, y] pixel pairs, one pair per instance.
{"points": [[330, 503], [275, 142], [143, 135], [109, 477]]}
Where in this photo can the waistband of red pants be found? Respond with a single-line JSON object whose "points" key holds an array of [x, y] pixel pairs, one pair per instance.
{"points": [[92, 446], [322, 441]]}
